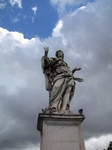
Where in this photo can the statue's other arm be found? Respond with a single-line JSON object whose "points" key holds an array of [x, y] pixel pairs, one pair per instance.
{"points": [[76, 69], [77, 79]]}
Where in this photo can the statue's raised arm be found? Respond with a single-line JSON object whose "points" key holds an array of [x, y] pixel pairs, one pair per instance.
{"points": [[46, 49], [45, 61]]}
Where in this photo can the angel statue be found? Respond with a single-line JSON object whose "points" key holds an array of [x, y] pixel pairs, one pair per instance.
{"points": [[59, 81]]}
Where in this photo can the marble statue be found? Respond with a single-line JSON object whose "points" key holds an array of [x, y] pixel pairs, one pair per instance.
{"points": [[59, 81]]}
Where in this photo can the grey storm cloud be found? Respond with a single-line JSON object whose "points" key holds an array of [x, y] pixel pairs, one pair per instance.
{"points": [[86, 39]]}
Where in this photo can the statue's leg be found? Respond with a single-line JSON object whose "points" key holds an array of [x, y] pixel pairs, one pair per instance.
{"points": [[66, 98]]}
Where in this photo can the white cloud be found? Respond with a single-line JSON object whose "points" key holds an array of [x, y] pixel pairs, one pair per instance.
{"points": [[82, 7], [78, 10], [33, 147], [16, 2], [62, 2], [2, 4], [15, 20], [19, 66], [61, 5], [13, 55], [57, 31], [98, 142], [34, 10]]}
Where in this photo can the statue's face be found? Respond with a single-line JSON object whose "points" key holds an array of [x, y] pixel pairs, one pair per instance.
{"points": [[60, 54]]}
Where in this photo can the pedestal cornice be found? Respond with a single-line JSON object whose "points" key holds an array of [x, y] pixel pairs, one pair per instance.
{"points": [[60, 117]]}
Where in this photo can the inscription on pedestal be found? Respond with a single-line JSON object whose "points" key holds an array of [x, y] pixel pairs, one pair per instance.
{"points": [[62, 136]]}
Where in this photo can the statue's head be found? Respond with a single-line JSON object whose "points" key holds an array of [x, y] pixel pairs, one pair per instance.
{"points": [[59, 53]]}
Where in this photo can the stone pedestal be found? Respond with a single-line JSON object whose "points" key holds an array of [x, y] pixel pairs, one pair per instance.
{"points": [[61, 132]]}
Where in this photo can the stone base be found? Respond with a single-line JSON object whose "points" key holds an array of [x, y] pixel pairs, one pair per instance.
{"points": [[61, 132]]}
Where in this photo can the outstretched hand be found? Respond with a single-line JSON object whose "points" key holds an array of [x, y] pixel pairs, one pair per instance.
{"points": [[78, 79], [46, 49], [76, 69]]}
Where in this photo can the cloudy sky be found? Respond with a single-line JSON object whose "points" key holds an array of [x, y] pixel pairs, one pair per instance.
{"points": [[83, 30]]}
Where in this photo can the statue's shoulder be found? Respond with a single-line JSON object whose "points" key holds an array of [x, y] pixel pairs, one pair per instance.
{"points": [[52, 59]]}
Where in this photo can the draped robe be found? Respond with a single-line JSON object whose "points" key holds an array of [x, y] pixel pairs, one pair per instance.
{"points": [[58, 78]]}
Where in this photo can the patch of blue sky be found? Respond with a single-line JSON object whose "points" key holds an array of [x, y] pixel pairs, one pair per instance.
{"points": [[24, 19]]}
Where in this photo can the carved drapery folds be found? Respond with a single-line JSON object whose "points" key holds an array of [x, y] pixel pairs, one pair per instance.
{"points": [[59, 81]]}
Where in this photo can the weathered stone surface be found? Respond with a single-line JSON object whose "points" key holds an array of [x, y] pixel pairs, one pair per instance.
{"points": [[61, 132]]}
